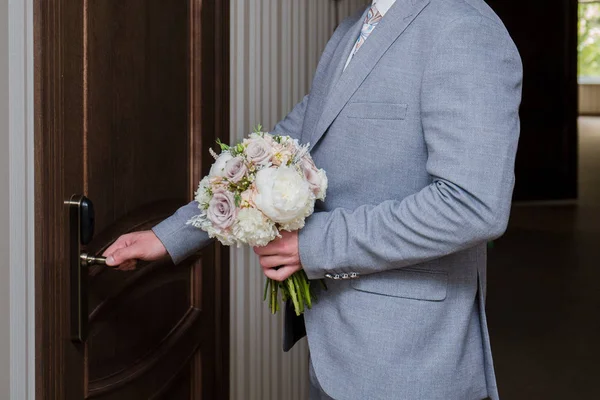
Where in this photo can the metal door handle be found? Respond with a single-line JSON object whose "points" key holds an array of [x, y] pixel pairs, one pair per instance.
{"points": [[88, 261], [81, 224]]}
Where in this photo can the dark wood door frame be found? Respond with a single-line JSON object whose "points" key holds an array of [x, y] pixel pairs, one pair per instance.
{"points": [[55, 23]]}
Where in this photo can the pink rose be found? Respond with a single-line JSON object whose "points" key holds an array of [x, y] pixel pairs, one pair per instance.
{"points": [[258, 151], [249, 195], [222, 211], [311, 173], [235, 169]]}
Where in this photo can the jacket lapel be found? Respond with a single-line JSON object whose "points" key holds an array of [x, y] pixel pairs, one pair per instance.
{"points": [[344, 50], [326, 79], [396, 20]]}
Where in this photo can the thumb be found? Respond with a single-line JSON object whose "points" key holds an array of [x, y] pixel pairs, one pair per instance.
{"points": [[124, 254]]}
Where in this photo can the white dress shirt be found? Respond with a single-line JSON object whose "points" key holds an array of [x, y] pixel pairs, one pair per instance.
{"points": [[384, 5]]}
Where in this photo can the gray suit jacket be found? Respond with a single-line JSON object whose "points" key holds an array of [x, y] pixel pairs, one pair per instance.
{"points": [[418, 137]]}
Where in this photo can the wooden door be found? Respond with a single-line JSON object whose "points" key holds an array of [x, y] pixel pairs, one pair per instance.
{"points": [[129, 95], [545, 31]]}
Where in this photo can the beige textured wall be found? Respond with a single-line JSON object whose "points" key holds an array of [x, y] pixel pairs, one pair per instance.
{"points": [[4, 223], [275, 45], [589, 99]]}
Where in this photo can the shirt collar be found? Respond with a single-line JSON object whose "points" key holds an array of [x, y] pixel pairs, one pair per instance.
{"points": [[384, 5]]}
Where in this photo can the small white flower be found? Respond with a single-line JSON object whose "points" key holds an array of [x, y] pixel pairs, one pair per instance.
{"points": [[253, 228], [283, 194], [224, 237], [198, 221], [324, 185], [203, 195]]}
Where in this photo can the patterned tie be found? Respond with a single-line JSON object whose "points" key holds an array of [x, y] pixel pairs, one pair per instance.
{"points": [[371, 20]]}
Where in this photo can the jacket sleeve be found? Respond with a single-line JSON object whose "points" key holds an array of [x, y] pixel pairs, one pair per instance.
{"points": [[292, 124], [181, 240], [470, 98]]}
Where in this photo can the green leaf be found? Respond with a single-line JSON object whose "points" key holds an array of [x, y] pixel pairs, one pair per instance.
{"points": [[223, 146], [238, 199]]}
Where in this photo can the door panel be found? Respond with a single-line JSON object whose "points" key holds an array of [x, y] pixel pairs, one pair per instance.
{"points": [[129, 95], [137, 104]]}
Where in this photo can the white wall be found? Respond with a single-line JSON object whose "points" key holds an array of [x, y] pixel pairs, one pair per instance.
{"points": [[275, 48], [4, 211]]}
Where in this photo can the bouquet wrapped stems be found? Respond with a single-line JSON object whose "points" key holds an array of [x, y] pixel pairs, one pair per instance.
{"points": [[296, 288]]}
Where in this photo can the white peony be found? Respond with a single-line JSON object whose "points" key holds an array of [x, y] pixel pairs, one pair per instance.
{"points": [[218, 168], [299, 222], [253, 228], [202, 194], [283, 194]]}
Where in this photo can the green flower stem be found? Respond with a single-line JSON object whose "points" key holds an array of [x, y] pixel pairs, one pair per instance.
{"points": [[296, 288], [323, 284], [306, 287], [267, 284], [299, 291], [274, 298], [293, 295]]}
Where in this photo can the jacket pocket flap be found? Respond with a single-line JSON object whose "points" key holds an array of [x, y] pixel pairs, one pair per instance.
{"points": [[376, 110], [406, 283]]}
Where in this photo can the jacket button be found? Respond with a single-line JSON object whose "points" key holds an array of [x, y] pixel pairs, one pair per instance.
{"points": [[353, 275], [328, 276]]}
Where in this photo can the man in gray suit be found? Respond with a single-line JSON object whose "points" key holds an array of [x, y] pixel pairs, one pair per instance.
{"points": [[413, 113]]}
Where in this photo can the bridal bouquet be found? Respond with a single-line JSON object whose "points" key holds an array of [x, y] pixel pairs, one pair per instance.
{"points": [[255, 189]]}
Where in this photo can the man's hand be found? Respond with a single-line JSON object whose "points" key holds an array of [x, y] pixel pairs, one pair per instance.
{"points": [[132, 247], [281, 253]]}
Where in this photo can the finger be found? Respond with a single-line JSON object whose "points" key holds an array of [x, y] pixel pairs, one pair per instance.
{"points": [[268, 250], [277, 246], [282, 273], [124, 254], [121, 242], [267, 262]]}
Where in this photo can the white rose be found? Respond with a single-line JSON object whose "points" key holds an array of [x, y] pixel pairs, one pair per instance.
{"points": [[218, 168], [253, 228], [202, 194], [283, 194]]}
